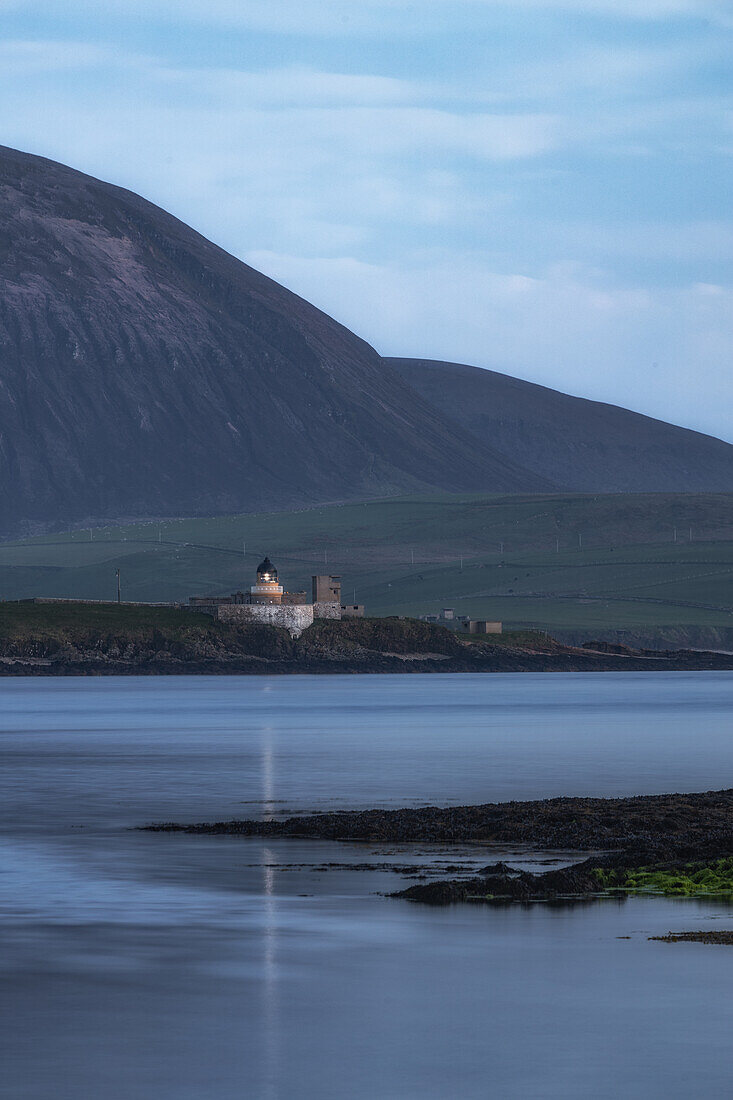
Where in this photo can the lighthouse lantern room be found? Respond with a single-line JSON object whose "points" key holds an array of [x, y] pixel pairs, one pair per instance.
{"points": [[267, 589]]}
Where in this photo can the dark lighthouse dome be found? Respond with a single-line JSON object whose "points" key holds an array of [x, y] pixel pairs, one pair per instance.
{"points": [[267, 570]]}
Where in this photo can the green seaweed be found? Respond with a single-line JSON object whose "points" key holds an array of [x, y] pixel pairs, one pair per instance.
{"points": [[687, 880]]}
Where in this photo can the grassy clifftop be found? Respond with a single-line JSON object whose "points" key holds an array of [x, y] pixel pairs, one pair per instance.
{"points": [[117, 638], [74, 621], [66, 635], [85, 639]]}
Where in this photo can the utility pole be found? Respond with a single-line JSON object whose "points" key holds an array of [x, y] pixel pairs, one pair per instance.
{"points": [[580, 541], [690, 534], [119, 591], [412, 557], [557, 546], [501, 547], [675, 535], [244, 549]]}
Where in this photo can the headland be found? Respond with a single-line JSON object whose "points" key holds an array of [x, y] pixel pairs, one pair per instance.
{"points": [[81, 639]]}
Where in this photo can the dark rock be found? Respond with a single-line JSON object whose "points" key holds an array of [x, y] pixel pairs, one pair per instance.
{"points": [[500, 888], [657, 827], [696, 937]]}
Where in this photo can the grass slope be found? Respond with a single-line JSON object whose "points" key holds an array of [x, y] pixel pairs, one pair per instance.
{"points": [[633, 563]]}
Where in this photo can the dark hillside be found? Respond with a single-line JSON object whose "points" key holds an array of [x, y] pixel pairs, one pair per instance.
{"points": [[581, 445], [146, 372]]}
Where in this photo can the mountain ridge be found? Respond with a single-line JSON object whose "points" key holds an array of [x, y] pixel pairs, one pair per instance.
{"points": [[146, 372], [582, 445]]}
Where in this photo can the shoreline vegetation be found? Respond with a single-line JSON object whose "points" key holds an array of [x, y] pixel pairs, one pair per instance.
{"points": [[672, 844], [76, 639]]}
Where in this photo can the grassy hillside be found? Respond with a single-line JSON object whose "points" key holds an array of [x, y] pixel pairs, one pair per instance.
{"points": [[625, 562]]}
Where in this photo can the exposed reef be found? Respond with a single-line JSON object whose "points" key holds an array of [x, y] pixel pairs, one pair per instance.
{"points": [[667, 823], [598, 876], [696, 937], [674, 844]]}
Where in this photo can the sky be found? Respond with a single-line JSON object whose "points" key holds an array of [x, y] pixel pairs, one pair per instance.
{"points": [[542, 187]]}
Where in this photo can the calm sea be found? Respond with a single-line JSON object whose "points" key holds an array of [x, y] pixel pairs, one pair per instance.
{"points": [[139, 965]]}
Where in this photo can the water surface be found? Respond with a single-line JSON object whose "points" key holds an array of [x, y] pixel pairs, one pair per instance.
{"points": [[172, 966]]}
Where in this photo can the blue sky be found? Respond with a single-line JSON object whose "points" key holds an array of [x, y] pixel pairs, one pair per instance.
{"points": [[541, 186]]}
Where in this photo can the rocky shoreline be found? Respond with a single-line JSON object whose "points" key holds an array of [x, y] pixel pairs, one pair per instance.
{"points": [[81, 640], [679, 838], [725, 938]]}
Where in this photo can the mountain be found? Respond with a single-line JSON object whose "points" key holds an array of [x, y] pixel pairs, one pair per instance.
{"points": [[582, 445], [146, 372]]}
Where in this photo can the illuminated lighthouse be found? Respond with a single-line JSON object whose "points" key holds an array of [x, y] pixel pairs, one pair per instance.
{"points": [[267, 589], [267, 603]]}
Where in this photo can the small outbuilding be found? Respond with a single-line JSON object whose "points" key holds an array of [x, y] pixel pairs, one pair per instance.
{"points": [[481, 626]]}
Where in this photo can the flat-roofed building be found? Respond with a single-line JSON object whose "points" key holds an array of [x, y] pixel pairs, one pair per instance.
{"points": [[482, 626]]}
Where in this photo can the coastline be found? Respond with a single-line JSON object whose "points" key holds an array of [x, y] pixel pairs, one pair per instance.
{"points": [[683, 661], [109, 640]]}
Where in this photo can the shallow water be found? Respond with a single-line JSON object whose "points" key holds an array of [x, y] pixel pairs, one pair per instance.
{"points": [[173, 966]]}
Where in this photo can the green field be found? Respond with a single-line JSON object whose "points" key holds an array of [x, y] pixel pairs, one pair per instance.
{"points": [[634, 563]]}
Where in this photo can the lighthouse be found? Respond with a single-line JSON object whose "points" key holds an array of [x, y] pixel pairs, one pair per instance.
{"points": [[267, 589]]}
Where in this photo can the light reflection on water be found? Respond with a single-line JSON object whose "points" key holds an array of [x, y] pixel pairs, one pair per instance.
{"points": [[182, 967]]}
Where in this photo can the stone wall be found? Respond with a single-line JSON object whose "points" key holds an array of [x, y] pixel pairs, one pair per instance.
{"points": [[295, 618], [326, 610], [298, 598]]}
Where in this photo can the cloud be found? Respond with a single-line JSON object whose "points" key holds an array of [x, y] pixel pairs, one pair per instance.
{"points": [[676, 242], [613, 72], [295, 158], [439, 211], [403, 131], [293, 129], [375, 114], [345, 18], [40, 57], [299, 86], [504, 116]]}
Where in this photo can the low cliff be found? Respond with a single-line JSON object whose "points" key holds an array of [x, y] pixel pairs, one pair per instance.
{"points": [[92, 639]]}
